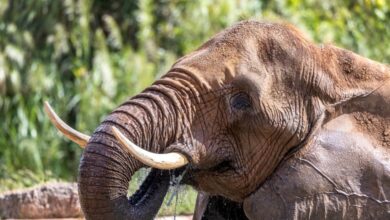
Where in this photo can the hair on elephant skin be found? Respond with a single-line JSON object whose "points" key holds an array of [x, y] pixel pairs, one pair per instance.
{"points": [[261, 121]]}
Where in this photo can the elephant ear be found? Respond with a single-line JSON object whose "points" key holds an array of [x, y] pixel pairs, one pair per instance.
{"points": [[346, 77]]}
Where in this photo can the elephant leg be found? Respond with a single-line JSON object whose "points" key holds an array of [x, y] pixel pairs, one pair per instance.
{"points": [[217, 208]]}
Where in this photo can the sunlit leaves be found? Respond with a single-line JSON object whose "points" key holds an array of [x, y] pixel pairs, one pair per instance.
{"points": [[361, 26]]}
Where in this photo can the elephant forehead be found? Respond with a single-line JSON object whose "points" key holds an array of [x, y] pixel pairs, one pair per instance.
{"points": [[240, 49]]}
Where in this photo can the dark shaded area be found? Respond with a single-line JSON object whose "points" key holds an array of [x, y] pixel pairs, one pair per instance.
{"points": [[220, 208]]}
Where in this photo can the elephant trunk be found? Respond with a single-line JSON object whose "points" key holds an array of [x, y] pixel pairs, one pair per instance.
{"points": [[149, 120]]}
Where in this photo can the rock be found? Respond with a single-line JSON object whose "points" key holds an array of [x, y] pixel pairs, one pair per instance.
{"points": [[52, 200]]}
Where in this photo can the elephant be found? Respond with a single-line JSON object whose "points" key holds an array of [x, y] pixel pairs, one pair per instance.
{"points": [[262, 122]]}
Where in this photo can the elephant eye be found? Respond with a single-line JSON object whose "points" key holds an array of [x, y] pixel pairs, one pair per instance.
{"points": [[240, 101]]}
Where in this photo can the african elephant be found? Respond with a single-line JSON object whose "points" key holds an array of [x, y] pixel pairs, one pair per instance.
{"points": [[261, 121]]}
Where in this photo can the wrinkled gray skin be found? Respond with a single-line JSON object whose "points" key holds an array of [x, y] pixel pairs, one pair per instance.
{"points": [[273, 126], [340, 174]]}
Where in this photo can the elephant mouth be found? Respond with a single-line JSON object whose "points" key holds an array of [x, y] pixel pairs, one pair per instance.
{"points": [[175, 158], [198, 172], [197, 177]]}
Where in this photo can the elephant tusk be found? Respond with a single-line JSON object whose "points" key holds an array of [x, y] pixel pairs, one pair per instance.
{"points": [[166, 161], [75, 136]]}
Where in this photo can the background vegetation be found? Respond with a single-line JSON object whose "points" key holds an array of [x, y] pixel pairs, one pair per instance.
{"points": [[88, 56]]}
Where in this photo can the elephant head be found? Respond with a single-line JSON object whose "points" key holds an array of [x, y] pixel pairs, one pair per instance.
{"points": [[228, 113]]}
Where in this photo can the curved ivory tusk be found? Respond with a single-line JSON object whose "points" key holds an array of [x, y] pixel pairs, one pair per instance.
{"points": [[166, 161], [75, 136]]}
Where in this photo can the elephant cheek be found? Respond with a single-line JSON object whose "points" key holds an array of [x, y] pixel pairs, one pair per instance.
{"points": [[217, 184]]}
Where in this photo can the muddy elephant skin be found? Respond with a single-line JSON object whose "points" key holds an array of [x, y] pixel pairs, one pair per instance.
{"points": [[271, 126]]}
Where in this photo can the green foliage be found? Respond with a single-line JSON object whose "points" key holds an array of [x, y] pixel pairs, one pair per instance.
{"points": [[359, 25], [88, 56], [181, 203]]}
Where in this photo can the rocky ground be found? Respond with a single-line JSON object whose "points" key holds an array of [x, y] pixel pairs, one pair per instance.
{"points": [[48, 201], [53, 200]]}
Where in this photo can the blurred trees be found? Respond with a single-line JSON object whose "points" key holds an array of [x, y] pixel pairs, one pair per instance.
{"points": [[86, 57]]}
